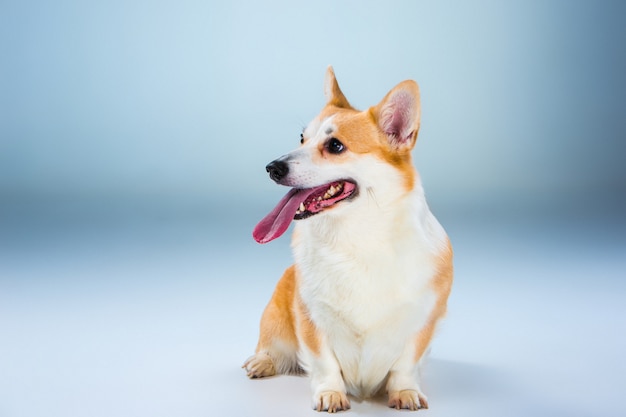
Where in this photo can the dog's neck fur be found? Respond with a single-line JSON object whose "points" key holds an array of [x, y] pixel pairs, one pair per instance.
{"points": [[385, 223]]}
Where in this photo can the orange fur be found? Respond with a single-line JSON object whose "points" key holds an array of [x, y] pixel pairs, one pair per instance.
{"points": [[277, 322], [306, 328], [284, 310], [442, 284]]}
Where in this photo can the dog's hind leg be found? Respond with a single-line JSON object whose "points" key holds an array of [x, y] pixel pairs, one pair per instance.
{"points": [[276, 352]]}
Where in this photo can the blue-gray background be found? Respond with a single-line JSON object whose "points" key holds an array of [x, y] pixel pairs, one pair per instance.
{"points": [[133, 136], [191, 98]]}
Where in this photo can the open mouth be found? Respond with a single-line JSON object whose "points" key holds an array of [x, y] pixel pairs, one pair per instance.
{"points": [[324, 197], [300, 203]]}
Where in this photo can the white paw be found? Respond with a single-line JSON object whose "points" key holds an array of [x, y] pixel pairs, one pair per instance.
{"points": [[259, 366], [407, 399], [331, 401]]}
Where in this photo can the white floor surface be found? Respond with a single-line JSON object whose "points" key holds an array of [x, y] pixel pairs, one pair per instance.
{"points": [[154, 317]]}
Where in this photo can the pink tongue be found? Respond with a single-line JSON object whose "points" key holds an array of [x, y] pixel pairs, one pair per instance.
{"points": [[274, 224]]}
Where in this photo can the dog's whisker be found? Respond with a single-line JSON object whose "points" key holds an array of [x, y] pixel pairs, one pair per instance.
{"points": [[370, 192]]}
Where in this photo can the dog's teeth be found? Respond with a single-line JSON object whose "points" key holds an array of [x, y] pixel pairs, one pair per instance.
{"points": [[326, 196], [301, 208], [332, 190], [319, 198]]}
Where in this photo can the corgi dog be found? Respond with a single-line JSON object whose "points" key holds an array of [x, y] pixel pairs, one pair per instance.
{"points": [[373, 267]]}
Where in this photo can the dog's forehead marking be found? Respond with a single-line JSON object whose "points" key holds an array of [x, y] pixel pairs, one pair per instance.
{"points": [[323, 127], [326, 126]]}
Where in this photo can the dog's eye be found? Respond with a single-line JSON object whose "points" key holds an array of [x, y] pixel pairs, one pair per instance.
{"points": [[301, 138], [335, 146]]}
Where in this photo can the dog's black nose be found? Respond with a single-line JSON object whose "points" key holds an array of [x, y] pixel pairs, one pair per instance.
{"points": [[277, 169]]}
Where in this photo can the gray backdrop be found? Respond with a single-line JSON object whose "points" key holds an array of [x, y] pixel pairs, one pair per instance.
{"points": [[190, 99]]}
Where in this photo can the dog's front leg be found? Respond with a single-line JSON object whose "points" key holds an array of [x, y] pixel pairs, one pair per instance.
{"points": [[329, 389], [402, 385]]}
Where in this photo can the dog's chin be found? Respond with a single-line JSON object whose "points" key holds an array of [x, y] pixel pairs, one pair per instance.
{"points": [[304, 215], [327, 197]]}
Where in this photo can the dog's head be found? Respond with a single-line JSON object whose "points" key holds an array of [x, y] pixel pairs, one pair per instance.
{"points": [[346, 155]]}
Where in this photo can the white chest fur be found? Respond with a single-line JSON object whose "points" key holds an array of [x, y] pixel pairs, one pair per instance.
{"points": [[365, 280]]}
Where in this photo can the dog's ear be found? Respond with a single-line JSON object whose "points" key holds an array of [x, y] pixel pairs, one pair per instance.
{"points": [[398, 115], [334, 96]]}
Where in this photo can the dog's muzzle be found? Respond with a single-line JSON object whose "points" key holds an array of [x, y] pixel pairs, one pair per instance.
{"points": [[277, 169]]}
